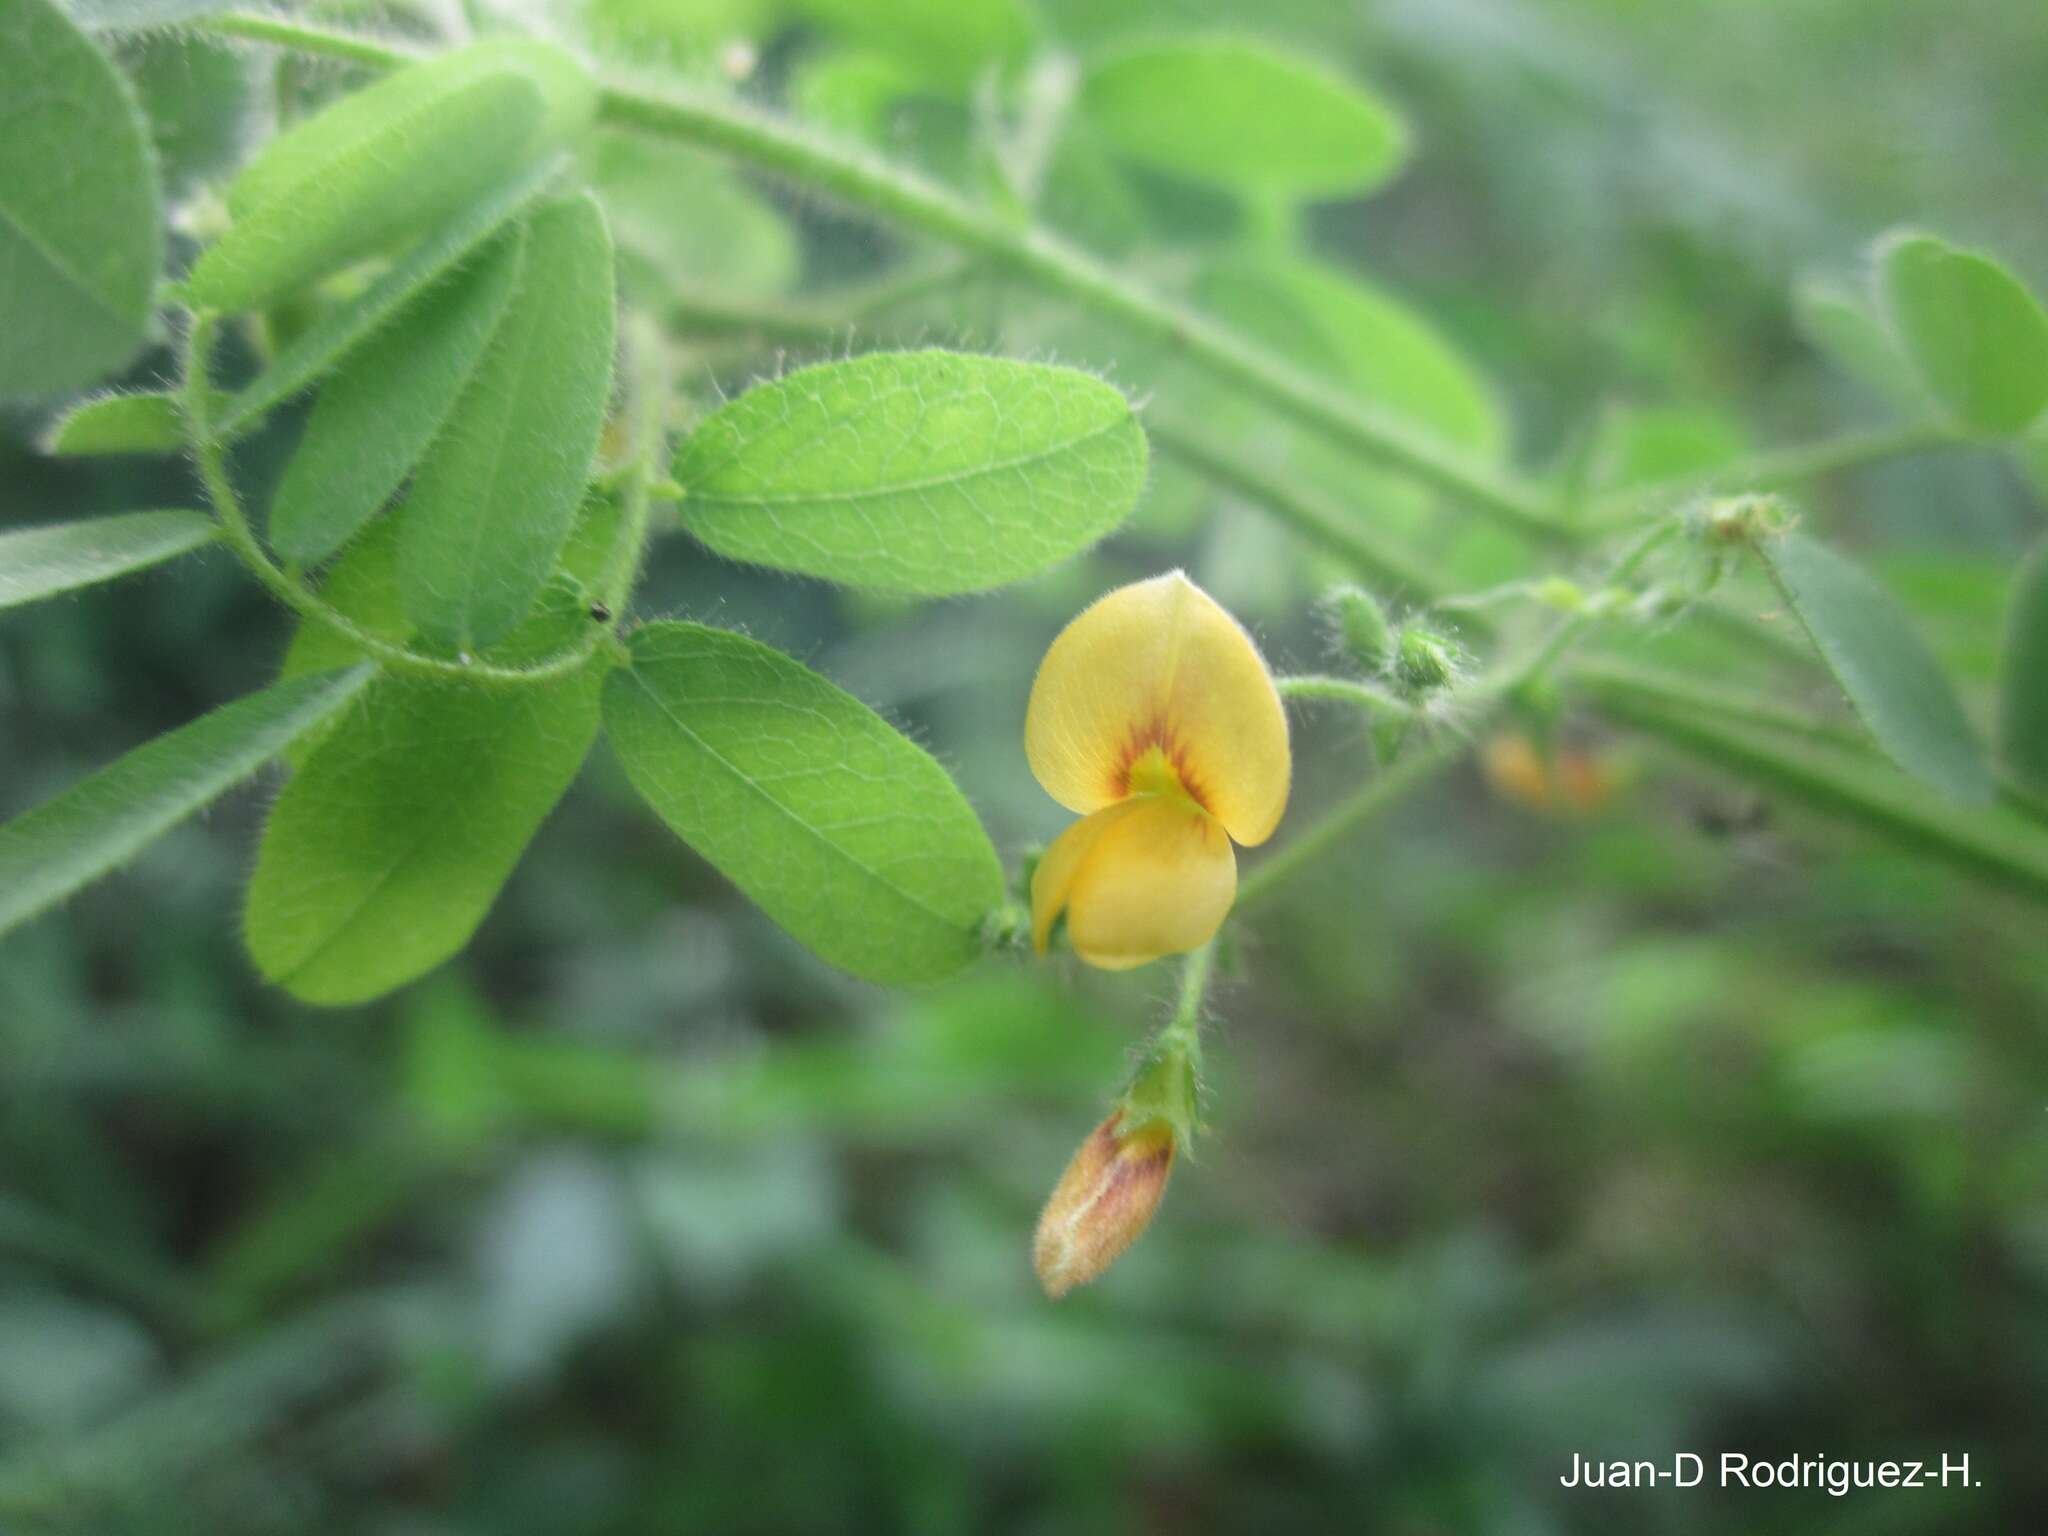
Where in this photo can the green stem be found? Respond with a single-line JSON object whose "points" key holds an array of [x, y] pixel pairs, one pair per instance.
{"points": [[1850, 784], [649, 402], [1344, 690], [1184, 1029], [1781, 467], [1344, 536], [859, 179], [1603, 680], [209, 452], [1382, 792], [1572, 630]]}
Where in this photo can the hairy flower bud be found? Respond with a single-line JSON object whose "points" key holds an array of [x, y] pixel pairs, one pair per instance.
{"points": [[1102, 1202], [1362, 627], [1424, 662]]}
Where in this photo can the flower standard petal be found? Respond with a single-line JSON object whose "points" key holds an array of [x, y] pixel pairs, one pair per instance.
{"points": [[1158, 880], [1158, 667]]}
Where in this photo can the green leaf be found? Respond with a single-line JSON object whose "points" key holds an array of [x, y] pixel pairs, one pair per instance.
{"points": [[41, 562], [378, 412], [1976, 334], [79, 253], [497, 492], [389, 845], [847, 834], [1244, 116], [2023, 676], [323, 344], [1339, 326], [119, 424], [324, 206], [49, 852], [921, 472], [1888, 673]]}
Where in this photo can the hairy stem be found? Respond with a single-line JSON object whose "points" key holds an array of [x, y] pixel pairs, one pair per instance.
{"points": [[1343, 690]]}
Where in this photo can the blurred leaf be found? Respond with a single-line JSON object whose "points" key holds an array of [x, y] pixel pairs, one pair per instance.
{"points": [[50, 851], [1339, 326], [400, 155], [2023, 687], [79, 254], [497, 493], [1836, 319], [846, 833], [851, 91], [1870, 645], [69, 1364], [41, 562], [195, 95], [379, 410], [1641, 446], [330, 338], [1244, 116], [949, 43], [1976, 334], [684, 219], [923, 472], [384, 852], [113, 424]]}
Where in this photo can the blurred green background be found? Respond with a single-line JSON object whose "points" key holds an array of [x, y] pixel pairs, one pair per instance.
{"points": [[1690, 1125]]}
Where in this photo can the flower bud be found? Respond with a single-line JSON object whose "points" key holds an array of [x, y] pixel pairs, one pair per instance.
{"points": [[1102, 1202], [1362, 627], [1425, 662]]}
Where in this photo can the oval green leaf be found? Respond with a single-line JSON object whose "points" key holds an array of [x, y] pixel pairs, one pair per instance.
{"points": [[2023, 676], [843, 831], [111, 424], [95, 826], [1977, 336], [1339, 326], [381, 408], [1244, 116], [919, 472], [41, 562], [497, 493], [1841, 323], [431, 154], [319, 348], [79, 254], [388, 846], [1890, 676]]}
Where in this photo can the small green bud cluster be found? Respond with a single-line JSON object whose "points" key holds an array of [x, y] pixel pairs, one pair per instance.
{"points": [[1415, 659]]}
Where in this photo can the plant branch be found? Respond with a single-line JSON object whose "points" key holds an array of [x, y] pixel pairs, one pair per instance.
{"points": [[1780, 467], [1846, 782], [1344, 690], [861, 180]]}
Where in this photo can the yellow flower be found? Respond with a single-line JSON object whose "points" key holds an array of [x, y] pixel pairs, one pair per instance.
{"points": [[1104, 1200], [1153, 718]]}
